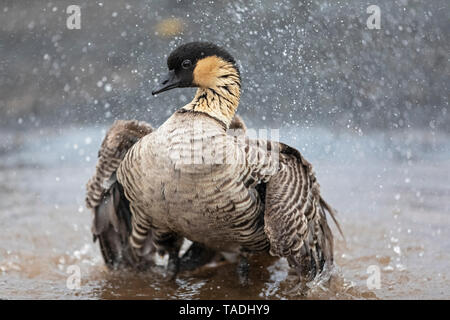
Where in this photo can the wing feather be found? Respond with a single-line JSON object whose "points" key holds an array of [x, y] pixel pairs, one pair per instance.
{"points": [[105, 196], [295, 213]]}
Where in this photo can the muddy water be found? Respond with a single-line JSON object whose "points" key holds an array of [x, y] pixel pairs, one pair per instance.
{"points": [[392, 194]]}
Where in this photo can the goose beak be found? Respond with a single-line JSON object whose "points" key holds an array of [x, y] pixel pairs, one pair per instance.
{"points": [[171, 81]]}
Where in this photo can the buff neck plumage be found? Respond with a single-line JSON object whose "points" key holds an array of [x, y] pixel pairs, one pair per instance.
{"points": [[219, 90]]}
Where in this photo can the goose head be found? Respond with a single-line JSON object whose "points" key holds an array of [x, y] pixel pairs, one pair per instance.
{"points": [[198, 64], [213, 71]]}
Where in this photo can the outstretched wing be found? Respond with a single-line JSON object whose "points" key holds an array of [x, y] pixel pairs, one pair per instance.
{"points": [[111, 211], [294, 219]]}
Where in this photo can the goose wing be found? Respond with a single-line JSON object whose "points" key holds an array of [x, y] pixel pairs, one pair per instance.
{"points": [[105, 196], [294, 219]]}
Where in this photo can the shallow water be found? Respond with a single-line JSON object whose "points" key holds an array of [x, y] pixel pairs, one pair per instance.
{"points": [[392, 193]]}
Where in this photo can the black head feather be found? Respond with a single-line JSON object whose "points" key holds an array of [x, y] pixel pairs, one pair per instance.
{"points": [[182, 62], [195, 51]]}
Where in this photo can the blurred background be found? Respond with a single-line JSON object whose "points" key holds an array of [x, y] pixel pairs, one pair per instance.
{"points": [[369, 108], [303, 62]]}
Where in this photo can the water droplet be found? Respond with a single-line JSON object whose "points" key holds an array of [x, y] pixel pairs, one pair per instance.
{"points": [[108, 87]]}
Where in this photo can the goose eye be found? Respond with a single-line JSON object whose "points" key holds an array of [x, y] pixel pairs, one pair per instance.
{"points": [[186, 64]]}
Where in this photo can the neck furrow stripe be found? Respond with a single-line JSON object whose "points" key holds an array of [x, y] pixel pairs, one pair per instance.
{"points": [[219, 95]]}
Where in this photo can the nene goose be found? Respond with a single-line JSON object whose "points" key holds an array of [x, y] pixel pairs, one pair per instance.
{"points": [[191, 179]]}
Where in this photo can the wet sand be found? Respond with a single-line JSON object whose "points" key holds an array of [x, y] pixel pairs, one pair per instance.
{"points": [[392, 195]]}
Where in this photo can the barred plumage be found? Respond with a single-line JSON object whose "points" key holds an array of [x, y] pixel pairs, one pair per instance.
{"points": [[111, 214], [118, 140], [111, 224], [190, 178]]}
